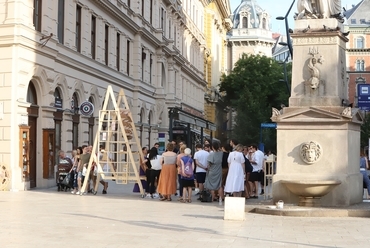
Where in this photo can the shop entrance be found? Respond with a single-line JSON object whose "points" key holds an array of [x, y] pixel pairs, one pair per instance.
{"points": [[33, 114]]}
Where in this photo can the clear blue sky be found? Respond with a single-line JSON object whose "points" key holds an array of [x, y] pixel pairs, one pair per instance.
{"points": [[280, 8]]}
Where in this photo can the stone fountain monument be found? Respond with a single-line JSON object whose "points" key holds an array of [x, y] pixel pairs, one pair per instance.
{"points": [[318, 135]]}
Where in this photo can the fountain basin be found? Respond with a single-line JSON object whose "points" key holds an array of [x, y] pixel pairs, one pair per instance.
{"points": [[310, 191]]}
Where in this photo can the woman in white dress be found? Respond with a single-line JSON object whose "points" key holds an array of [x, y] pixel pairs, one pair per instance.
{"points": [[235, 176]]}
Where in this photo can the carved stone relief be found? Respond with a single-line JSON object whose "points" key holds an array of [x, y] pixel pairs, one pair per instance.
{"points": [[315, 40], [311, 152], [312, 67]]}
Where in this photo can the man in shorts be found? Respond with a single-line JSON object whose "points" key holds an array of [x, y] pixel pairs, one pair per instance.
{"points": [[200, 158]]}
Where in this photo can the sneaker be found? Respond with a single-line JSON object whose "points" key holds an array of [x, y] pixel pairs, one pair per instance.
{"points": [[196, 190], [77, 193], [155, 196], [148, 196]]}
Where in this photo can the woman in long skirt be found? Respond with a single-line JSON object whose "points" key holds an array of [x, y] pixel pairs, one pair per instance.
{"points": [[167, 180], [235, 176]]}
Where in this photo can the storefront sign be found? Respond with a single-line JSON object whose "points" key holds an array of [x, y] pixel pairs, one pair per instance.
{"points": [[363, 91], [87, 108], [58, 103]]}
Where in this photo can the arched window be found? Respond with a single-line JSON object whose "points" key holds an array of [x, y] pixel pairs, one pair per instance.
{"points": [[360, 65], [75, 120], [74, 103], [264, 23], [360, 42], [31, 94], [245, 22], [58, 118], [58, 101]]}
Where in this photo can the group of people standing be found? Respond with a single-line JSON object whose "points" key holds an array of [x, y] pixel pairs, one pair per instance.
{"points": [[78, 163], [229, 169]]}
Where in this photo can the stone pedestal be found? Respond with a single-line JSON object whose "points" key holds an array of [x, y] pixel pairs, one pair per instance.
{"points": [[317, 137], [328, 49], [234, 208]]}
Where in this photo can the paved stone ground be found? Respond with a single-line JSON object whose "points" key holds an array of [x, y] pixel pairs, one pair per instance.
{"points": [[46, 218]]}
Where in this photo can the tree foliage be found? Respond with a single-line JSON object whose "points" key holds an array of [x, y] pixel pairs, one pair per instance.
{"points": [[252, 88]]}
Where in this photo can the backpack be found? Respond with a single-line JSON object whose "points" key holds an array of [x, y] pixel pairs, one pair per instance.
{"points": [[188, 168], [205, 196]]}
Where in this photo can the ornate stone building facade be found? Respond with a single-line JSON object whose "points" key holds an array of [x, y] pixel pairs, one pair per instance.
{"points": [[57, 54], [358, 47], [217, 24], [250, 34]]}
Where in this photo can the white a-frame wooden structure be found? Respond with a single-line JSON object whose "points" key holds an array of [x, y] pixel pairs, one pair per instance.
{"points": [[119, 158]]}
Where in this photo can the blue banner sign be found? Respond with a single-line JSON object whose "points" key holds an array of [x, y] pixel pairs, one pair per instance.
{"points": [[363, 92], [268, 125]]}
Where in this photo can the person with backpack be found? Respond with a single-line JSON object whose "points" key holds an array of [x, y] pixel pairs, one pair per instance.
{"points": [[187, 175]]}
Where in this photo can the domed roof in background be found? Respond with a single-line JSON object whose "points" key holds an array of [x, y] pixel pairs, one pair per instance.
{"points": [[248, 6]]}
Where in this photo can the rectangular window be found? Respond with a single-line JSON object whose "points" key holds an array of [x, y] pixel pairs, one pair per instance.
{"points": [[143, 8], [360, 43], [163, 21], [174, 35], [106, 43], [143, 57], [362, 21], [118, 52], [169, 29], [353, 21], [128, 57], [151, 11], [360, 65], [93, 37], [78, 28], [37, 6], [61, 21], [150, 68]]}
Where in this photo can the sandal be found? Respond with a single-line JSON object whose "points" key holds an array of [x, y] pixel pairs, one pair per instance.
{"points": [[163, 199], [189, 200], [169, 199], [183, 201]]}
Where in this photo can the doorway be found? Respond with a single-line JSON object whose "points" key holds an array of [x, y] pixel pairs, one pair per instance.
{"points": [[33, 114]]}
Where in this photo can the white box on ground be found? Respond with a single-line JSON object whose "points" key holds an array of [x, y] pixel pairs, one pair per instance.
{"points": [[234, 208]]}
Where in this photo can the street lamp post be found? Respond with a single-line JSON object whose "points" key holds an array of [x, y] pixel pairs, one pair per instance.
{"points": [[285, 76], [289, 42]]}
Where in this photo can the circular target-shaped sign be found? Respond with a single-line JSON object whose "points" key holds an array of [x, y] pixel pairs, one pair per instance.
{"points": [[87, 108]]}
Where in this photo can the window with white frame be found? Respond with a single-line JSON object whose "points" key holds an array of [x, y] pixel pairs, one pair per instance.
{"points": [[360, 65], [360, 42]]}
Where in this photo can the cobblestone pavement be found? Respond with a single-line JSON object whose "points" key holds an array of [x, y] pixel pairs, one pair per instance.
{"points": [[46, 218]]}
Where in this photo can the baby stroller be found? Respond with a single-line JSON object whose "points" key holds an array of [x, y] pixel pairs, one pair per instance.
{"points": [[61, 174]]}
